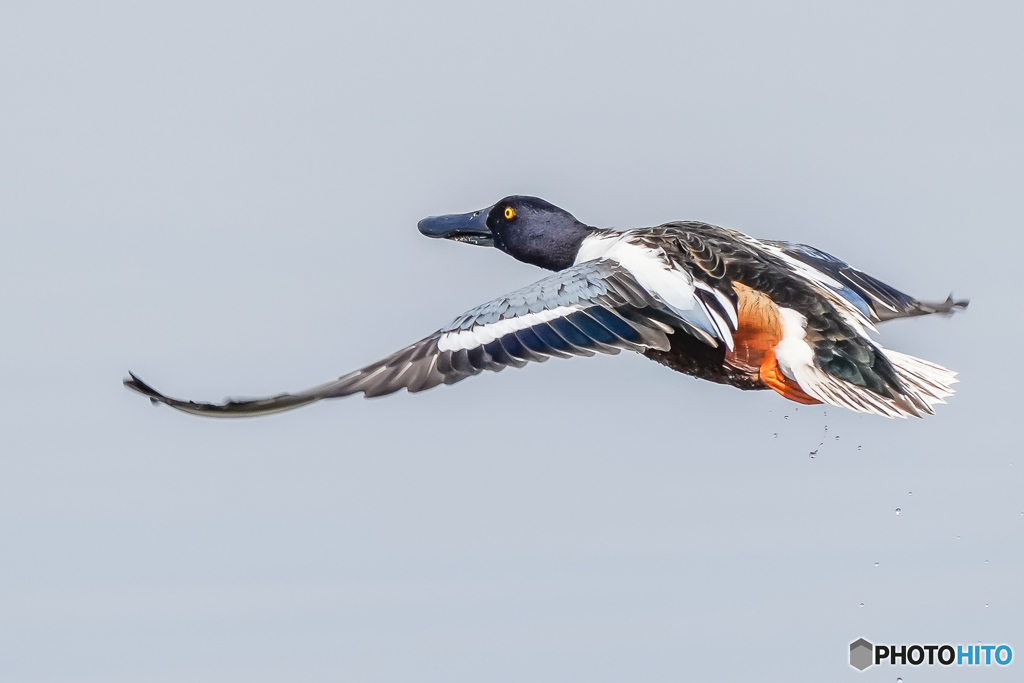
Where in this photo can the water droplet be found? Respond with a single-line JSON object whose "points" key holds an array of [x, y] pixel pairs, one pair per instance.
{"points": [[986, 605], [910, 493], [897, 511], [858, 448], [862, 604], [776, 435], [876, 564], [986, 561], [958, 538], [785, 417], [837, 438], [899, 680]]}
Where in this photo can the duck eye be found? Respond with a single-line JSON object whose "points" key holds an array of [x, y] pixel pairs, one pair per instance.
{"points": [[510, 213]]}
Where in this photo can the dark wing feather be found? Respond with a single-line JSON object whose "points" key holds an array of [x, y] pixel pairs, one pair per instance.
{"points": [[594, 307], [881, 301]]}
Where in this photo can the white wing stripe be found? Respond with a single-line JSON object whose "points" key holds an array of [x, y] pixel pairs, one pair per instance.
{"points": [[721, 326], [485, 334], [729, 307]]}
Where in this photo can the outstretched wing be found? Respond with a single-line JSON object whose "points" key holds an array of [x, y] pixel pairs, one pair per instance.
{"points": [[593, 307], [872, 297]]}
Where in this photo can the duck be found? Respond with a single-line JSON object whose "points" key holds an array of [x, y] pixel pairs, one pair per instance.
{"points": [[702, 300]]}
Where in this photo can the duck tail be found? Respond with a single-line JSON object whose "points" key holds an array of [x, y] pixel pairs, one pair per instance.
{"points": [[924, 383], [921, 385]]}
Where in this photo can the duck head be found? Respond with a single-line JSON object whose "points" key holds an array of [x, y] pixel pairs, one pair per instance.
{"points": [[528, 229]]}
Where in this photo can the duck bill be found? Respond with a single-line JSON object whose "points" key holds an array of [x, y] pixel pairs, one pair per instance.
{"points": [[470, 228]]}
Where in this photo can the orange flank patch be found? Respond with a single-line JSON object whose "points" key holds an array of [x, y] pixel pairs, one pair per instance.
{"points": [[759, 332]]}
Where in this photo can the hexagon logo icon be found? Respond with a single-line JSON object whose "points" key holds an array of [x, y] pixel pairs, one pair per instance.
{"points": [[861, 652]]}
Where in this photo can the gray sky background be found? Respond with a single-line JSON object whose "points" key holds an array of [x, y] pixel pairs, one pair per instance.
{"points": [[222, 197]]}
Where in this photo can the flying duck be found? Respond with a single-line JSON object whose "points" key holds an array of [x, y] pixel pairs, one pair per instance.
{"points": [[699, 299]]}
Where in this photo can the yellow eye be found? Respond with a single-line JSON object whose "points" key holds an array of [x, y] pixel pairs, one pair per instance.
{"points": [[510, 213]]}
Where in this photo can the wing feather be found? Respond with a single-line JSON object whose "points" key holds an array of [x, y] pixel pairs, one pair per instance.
{"points": [[872, 297], [594, 307]]}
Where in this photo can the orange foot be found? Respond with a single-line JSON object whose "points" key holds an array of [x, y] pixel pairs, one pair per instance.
{"points": [[774, 379]]}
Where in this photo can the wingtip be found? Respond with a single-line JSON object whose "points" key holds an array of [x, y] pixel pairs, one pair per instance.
{"points": [[135, 384], [132, 382], [950, 305]]}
